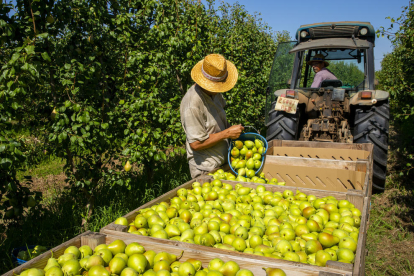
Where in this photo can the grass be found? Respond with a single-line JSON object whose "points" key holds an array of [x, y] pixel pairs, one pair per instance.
{"points": [[390, 238], [61, 218], [50, 166]]}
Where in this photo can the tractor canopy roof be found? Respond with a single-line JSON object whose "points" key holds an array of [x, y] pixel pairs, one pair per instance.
{"points": [[361, 30]]}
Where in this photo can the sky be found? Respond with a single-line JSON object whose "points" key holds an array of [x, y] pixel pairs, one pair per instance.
{"points": [[289, 15]]}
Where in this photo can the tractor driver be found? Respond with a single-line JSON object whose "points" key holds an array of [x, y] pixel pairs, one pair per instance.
{"points": [[319, 65], [203, 117]]}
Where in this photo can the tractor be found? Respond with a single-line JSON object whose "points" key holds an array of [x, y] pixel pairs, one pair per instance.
{"points": [[346, 110]]}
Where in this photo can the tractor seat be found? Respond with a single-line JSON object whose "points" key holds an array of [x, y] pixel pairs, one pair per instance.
{"points": [[332, 83]]}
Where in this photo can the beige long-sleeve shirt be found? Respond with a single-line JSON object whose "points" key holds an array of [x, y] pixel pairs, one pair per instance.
{"points": [[202, 115]]}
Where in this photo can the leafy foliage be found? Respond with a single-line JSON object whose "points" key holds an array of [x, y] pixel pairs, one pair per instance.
{"points": [[99, 83], [397, 75]]}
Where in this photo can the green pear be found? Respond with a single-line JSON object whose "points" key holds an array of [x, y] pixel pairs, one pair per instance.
{"points": [[51, 262], [346, 254], [196, 263], [66, 257], [85, 250], [283, 246], [134, 248], [186, 269], [99, 247], [105, 254], [274, 272], [244, 272], [291, 256], [249, 144], [123, 256], [327, 240], [312, 246], [33, 272], [322, 257], [229, 268], [215, 264], [164, 256], [116, 265], [235, 152], [93, 261], [130, 272], [141, 222], [161, 265], [239, 244], [241, 164], [333, 254], [243, 151], [348, 243], [54, 271], [172, 230], [71, 268], [74, 250], [117, 246], [98, 270], [257, 164], [138, 262], [258, 156], [250, 164], [238, 144], [121, 221]]}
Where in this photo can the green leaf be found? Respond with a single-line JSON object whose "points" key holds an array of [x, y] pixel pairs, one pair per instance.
{"points": [[43, 35], [29, 49], [46, 56]]}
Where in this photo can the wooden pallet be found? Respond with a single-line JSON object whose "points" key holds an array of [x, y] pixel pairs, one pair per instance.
{"points": [[356, 198]]}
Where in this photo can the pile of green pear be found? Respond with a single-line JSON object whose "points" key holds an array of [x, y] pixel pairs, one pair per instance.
{"points": [[300, 228], [29, 254], [222, 175], [246, 157], [117, 258]]}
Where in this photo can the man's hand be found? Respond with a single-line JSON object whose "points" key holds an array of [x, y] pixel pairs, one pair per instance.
{"points": [[234, 132]]}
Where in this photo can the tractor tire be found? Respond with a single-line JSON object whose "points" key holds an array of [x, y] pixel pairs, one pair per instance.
{"points": [[371, 125], [282, 125]]}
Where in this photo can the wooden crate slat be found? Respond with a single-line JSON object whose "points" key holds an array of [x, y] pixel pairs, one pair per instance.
{"points": [[41, 260]]}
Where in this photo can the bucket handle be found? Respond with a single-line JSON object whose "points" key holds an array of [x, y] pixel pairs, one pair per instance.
{"points": [[252, 128]]}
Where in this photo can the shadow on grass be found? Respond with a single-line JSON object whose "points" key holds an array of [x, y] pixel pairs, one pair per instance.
{"points": [[61, 218]]}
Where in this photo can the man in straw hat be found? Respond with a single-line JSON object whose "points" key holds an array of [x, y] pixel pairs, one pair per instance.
{"points": [[319, 65], [203, 116]]}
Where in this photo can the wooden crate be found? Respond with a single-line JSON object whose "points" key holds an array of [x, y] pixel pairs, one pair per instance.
{"points": [[319, 165], [323, 150], [356, 198], [252, 262]]}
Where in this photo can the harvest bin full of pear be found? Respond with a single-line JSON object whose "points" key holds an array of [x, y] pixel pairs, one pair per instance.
{"points": [[309, 230]]}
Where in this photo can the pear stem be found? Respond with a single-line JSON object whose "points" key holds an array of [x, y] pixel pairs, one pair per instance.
{"points": [[179, 257]]}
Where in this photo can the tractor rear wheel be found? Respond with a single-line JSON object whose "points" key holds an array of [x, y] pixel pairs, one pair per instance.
{"points": [[371, 125], [282, 125]]}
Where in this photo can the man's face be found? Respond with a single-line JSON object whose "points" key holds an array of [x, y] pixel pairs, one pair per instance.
{"points": [[317, 66]]}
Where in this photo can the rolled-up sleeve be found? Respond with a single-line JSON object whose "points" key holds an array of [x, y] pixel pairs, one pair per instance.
{"points": [[194, 125]]}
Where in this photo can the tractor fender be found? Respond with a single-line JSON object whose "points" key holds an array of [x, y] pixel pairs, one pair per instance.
{"points": [[377, 95]]}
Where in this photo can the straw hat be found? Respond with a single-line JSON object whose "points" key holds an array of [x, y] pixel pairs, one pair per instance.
{"points": [[319, 58], [215, 74]]}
